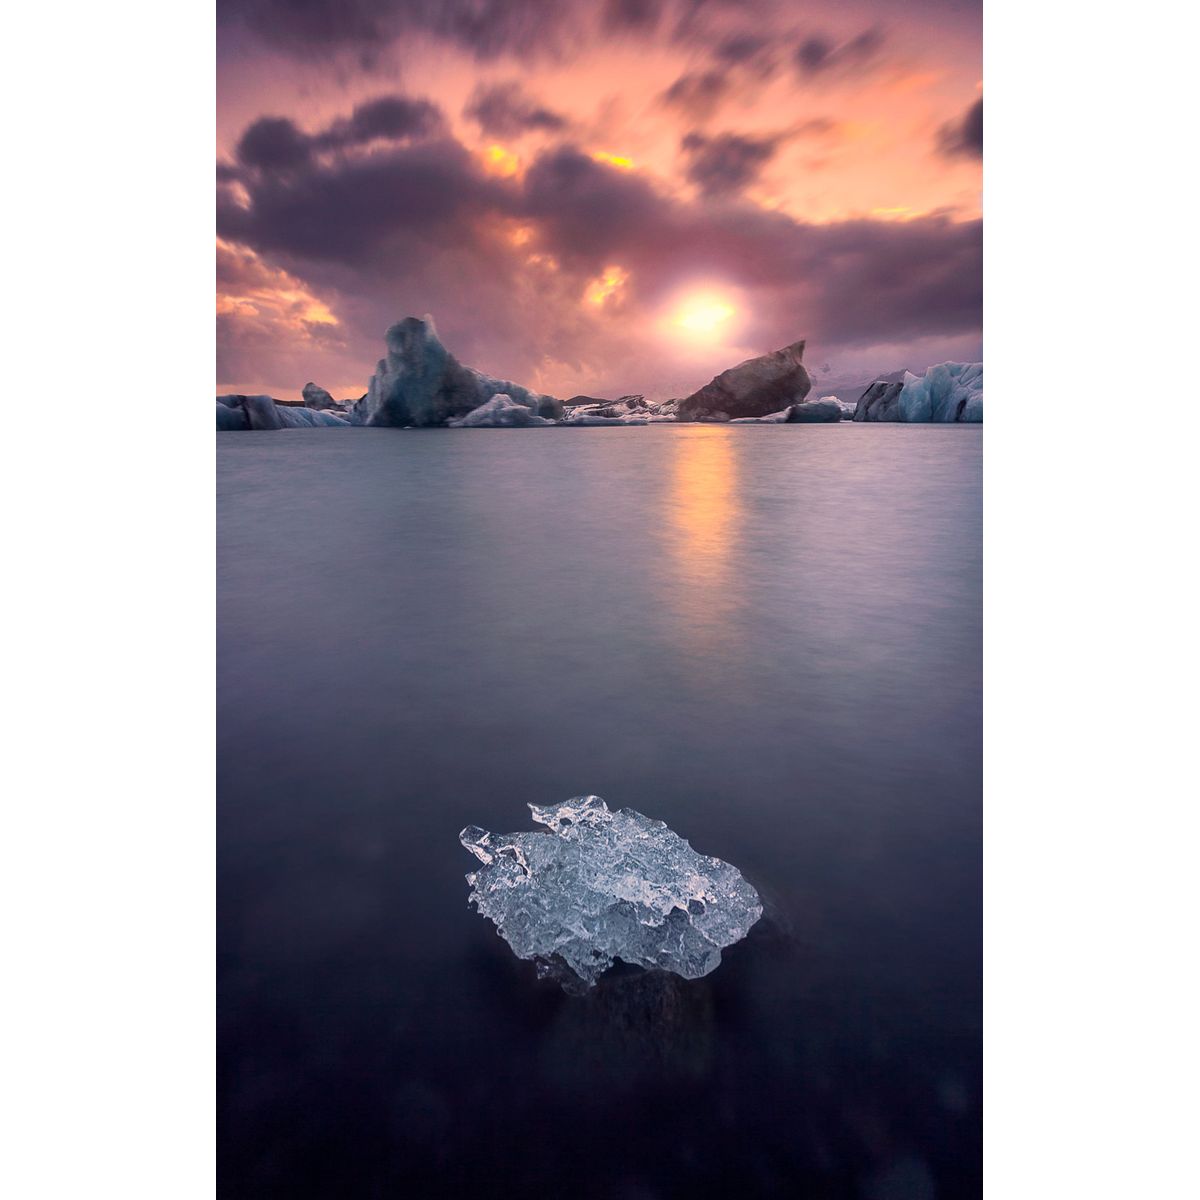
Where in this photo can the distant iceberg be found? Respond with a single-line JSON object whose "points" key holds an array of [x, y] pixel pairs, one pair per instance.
{"points": [[604, 885], [625, 410]]}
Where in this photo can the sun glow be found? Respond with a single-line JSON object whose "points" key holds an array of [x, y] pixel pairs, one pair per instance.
{"points": [[702, 314]]}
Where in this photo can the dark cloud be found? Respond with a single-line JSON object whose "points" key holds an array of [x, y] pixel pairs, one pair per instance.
{"points": [[755, 52], [742, 47], [640, 15], [728, 162], [317, 28], [486, 29], [274, 144], [505, 110], [277, 144], [393, 117], [820, 54], [697, 94], [362, 210], [964, 136]]}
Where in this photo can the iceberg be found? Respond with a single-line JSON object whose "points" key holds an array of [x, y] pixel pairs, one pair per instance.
{"points": [[602, 886], [500, 410], [754, 388], [237, 412], [305, 418], [419, 382], [951, 391], [807, 412], [316, 396], [626, 410], [230, 417], [948, 392]]}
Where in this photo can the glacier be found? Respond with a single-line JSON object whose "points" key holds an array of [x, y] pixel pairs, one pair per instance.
{"points": [[602, 886]]}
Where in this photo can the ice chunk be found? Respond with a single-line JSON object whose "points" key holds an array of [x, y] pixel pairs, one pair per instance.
{"points": [[500, 410], [826, 409], [604, 885], [627, 410], [306, 418], [775, 418]]}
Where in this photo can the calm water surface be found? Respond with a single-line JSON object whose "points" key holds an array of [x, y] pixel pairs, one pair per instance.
{"points": [[768, 637]]}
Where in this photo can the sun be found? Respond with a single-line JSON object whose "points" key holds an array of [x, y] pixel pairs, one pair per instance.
{"points": [[704, 313]]}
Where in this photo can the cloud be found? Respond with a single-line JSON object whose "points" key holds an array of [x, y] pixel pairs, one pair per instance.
{"points": [[277, 144], [485, 29], [639, 15], [274, 144], [963, 137], [266, 317], [318, 28], [697, 94], [392, 117], [504, 110], [820, 54], [728, 162], [756, 52]]}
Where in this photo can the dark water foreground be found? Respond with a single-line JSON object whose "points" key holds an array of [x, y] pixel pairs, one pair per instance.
{"points": [[768, 638]]}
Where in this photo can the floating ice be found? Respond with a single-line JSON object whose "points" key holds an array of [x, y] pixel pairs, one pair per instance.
{"points": [[808, 412], [500, 410], [605, 885]]}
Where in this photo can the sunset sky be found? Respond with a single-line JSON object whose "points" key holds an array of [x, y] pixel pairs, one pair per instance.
{"points": [[598, 196]]}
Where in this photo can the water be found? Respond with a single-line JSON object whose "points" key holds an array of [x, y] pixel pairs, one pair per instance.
{"points": [[768, 637]]}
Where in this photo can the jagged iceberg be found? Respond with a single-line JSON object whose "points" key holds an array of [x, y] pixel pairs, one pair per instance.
{"points": [[419, 382], [604, 885], [949, 392]]}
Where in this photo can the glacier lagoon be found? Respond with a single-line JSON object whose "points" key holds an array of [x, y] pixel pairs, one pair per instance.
{"points": [[767, 638]]}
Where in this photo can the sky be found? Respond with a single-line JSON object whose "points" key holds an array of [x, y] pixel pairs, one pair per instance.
{"points": [[597, 196]]}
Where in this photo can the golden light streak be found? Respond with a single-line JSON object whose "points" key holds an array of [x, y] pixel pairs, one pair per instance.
{"points": [[613, 160], [703, 512]]}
